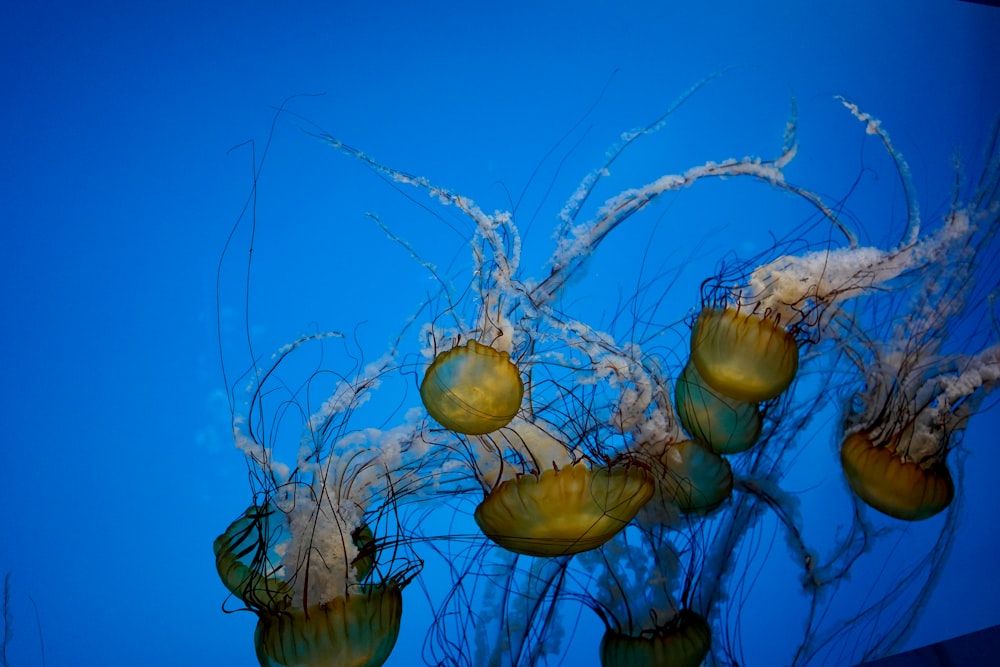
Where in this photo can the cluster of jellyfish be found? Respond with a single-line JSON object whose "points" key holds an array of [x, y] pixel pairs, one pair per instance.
{"points": [[600, 473]]}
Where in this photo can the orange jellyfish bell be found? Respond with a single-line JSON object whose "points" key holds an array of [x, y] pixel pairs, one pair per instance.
{"points": [[683, 643], [472, 389], [902, 489], [565, 511], [743, 356]]}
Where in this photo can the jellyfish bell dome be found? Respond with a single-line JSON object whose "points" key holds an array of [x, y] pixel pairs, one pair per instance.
{"points": [[564, 511], [695, 479], [726, 425], [885, 481], [246, 564], [472, 389], [356, 630], [683, 643], [743, 356]]}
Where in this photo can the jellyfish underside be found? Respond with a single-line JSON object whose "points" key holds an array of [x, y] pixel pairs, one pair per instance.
{"points": [[565, 511], [743, 356], [357, 630], [684, 643], [883, 480], [472, 389]]}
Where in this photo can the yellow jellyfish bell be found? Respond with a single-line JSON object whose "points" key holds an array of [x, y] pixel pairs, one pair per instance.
{"points": [[684, 643], [902, 489], [743, 356], [472, 389], [357, 630], [565, 511]]}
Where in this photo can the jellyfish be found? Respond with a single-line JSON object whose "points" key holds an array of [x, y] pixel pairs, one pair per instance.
{"points": [[359, 629], [472, 389], [683, 642], [247, 563], [696, 478], [640, 586], [313, 561], [910, 413], [918, 389], [593, 504], [726, 425], [743, 355], [747, 339], [320, 555]]}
